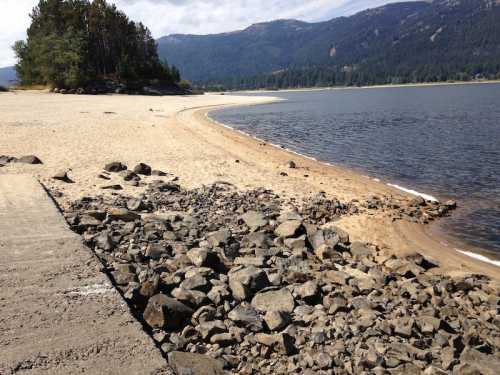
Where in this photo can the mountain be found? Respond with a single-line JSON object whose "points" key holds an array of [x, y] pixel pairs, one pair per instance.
{"points": [[8, 76], [399, 42]]}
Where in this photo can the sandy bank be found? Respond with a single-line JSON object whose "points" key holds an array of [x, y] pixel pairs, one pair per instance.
{"points": [[82, 133]]}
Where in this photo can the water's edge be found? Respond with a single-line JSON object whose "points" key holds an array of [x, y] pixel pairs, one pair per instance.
{"points": [[456, 243]]}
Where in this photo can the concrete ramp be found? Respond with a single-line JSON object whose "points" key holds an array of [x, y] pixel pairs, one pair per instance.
{"points": [[58, 313]]}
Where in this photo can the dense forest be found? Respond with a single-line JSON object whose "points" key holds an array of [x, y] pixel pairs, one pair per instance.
{"points": [[403, 42], [73, 43]]}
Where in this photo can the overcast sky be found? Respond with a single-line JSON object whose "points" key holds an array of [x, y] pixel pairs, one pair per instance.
{"points": [[165, 17]]}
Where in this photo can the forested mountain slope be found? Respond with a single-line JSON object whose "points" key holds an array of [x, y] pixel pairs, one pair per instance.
{"points": [[395, 43]]}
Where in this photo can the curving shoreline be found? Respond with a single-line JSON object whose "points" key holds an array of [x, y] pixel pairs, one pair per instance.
{"points": [[80, 134], [401, 237]]}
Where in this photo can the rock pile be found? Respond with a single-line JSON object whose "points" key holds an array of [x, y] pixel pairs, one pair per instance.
{"points": [[254, 284]]}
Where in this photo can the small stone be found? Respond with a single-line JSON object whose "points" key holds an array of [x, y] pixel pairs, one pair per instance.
{"points": [[112, 187], [129, 175], [308, 291], [29, 159], [247, 316], [135, 204], [115, 166], [276, 320], [143, 169], [208, 329], [223, 339], [156, 172], [62, 176], [122, 214], [279, 342], [291, 164]]}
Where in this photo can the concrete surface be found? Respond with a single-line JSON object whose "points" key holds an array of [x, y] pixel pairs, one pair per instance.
{"points": [[58, 313]]}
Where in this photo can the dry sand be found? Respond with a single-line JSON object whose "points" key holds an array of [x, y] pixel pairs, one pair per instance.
{"points": [[83, 133]]}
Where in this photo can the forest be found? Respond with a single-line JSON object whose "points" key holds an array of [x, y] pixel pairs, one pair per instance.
{"points": [[73, 43]]}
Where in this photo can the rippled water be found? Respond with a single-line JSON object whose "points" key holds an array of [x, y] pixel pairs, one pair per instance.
{"points": [[441, 140]]}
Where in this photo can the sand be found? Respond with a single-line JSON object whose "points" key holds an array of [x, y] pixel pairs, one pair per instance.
{"points": [[83, 133]]}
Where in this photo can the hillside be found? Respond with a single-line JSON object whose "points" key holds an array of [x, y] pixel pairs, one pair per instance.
{"points": [[401, 42], [7, 76]]}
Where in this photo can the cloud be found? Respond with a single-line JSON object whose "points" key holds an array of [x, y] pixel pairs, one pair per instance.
{"points": [[165, 17]]}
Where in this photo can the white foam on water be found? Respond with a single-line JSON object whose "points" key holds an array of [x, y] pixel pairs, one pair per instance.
{"points": [[427, 197], [480, 257]]}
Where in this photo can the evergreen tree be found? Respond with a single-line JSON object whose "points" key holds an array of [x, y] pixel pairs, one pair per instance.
{"points": [[73, 42]]}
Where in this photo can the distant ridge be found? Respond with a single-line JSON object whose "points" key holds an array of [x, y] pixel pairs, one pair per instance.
{"points": [[8, 76], [396, 43]]}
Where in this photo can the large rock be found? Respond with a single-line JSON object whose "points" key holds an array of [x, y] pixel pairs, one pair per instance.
{"points": [[274, 300], [251, 278], [474, 362], [194, 364], [254, 220], [165, 312], [290, 228]]}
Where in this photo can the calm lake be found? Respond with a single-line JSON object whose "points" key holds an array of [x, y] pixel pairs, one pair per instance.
{"points": [[439, 140]]}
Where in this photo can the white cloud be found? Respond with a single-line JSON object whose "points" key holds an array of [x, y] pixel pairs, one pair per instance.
{"points": [[187, 16]]}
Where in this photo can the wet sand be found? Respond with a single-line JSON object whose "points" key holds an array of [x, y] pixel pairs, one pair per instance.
{"points": [[83, 133]]}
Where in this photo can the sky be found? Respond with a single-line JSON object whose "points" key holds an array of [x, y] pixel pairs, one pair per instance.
{"points": [[165, 17]]}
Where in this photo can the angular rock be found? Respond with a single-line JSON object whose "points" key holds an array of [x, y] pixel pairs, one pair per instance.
{"points": [[254, 220], [194, 364], [290, 228], [279, 342], [135, 204], [165, 312], [276, 320], [122, 214], [246, 316], [309, 291], [274, 300]]}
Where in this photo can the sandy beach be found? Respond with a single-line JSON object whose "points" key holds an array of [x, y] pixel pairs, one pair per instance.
{"points": [[81, 134]]}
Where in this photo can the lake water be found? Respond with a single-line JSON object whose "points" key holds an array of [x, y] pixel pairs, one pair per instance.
{"points": [[439, 140]]}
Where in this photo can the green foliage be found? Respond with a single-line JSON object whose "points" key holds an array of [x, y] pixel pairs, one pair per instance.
{"points": [[73, 42]]}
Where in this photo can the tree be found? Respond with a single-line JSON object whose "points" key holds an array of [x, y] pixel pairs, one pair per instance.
{"points": [[73, 42]]}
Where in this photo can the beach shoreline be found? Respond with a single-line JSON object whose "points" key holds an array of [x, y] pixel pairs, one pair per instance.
{"points": [[163, 131], [386, 86]]}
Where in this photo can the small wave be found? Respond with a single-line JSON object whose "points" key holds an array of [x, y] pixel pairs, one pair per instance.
{"points": [[427, 197], [480, 257]]}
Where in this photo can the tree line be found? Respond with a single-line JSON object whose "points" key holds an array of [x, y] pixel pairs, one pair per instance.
{"points": [[71, 43]]}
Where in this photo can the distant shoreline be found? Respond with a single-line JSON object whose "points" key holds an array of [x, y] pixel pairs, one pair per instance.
{"points": [[387, 86]]}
